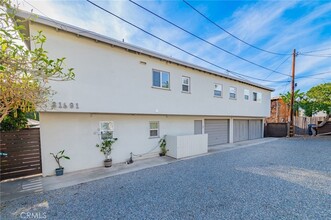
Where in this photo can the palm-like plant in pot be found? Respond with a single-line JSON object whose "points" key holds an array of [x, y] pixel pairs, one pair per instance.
{"points": [[106, 148], [60, 155]]}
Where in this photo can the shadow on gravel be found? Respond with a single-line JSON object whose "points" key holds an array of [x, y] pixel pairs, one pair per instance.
{"points": [[307, 178]]}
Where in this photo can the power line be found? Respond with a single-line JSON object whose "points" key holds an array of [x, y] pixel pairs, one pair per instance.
{"points": [[59, 25], [164, 41], [313, 51], [278, 67], [267, 51], [206, 41], [313, 75], [315, 55]]}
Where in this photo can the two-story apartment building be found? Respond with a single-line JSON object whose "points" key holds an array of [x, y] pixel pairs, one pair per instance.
{"points": [[138, 96]]}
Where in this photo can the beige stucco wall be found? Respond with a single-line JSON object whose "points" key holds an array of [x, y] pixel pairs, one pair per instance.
{"points": [[78, 134], [113, 80]]}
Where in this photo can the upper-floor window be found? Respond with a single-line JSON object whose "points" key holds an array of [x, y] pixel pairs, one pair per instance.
{"points": [[233, 93], [161, 79], [106, 130], [154, 129], [257, 97], [246, 94], [186, 84], [217, 90]]}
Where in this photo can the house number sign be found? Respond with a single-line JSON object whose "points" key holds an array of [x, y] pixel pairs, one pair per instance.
{"points": [[65, 105]]}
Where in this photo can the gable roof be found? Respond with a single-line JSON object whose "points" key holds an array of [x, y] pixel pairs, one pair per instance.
{"points": [[129, 47]]}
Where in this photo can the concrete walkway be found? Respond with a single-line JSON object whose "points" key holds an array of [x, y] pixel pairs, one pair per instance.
{"points": [[22, 187]]}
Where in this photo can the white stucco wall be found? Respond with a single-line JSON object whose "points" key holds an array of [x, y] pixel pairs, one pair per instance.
{"points": [[113, 80], [78, 134]]}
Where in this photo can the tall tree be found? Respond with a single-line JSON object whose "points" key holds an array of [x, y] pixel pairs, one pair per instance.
{"points": [[298, 96], [24, 73], [318, 98]]}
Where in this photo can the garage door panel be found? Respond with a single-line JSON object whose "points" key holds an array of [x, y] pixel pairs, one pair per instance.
{"points": [[240, 130], [218, 131], [255, 129]]}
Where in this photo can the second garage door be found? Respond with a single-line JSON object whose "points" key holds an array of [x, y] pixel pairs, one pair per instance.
{"points": [[240, 130], [255, 129], [217, 130]]}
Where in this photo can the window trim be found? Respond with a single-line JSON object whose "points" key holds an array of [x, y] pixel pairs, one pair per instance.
{"points": [[111, 129], [218, 96], [188, 85], [257, 97], [161, 72], [235, 93], [158, 129], [254, 97], [247, 95]]}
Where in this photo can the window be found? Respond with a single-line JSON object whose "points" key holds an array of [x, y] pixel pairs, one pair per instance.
{"points": [[233, 93], [154, 129], [246, 94], [161, 79], [257, 97], [185, 84], [106, 130], [218, 90]]}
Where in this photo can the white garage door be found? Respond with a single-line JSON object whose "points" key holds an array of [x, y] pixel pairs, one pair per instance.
{"points": [[217, 130], [240, 130], [255, 129]]}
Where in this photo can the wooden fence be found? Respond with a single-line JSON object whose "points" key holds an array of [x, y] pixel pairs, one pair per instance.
{"points": [[300, 126], [276, 130], [20, 153]]}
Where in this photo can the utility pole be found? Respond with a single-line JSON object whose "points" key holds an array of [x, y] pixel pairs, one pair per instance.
{"points": [[291, 133]]}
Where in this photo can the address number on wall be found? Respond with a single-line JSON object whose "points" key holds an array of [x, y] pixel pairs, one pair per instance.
{"points": [[65, 105]]}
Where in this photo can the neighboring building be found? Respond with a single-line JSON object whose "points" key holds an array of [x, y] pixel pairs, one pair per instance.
{"points": [[279, 111], [138, 96]]}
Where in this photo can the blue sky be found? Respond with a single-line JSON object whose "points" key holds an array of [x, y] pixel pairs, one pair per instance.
{"points": [[276, 26]]}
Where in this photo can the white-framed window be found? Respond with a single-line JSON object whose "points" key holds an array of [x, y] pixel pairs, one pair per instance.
{"points": [[154, 129], [254, 96], [257, 97], [246, 94], [233, 92], [186, 84], [161, 79], [218, 90], [106, 130]]}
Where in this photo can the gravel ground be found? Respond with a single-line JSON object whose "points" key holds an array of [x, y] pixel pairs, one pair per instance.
{"points": [[284, 179]]}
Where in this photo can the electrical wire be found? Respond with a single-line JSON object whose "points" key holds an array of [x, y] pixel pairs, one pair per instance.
{"points": [[278, 66], [206, 41], [315, 55], [313, 51], [59, 25], [267, 51], [177, 47], [314, 74]]}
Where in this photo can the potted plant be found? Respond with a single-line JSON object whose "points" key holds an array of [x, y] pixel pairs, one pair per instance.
{"points": [[163, 144], [60, 155], [106, 148]]}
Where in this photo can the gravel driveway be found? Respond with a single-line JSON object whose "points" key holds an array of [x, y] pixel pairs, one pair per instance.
{"points": [[284, 179]]}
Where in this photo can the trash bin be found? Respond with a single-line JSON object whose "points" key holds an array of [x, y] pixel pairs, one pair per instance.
{"points": [[312, 129]]}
